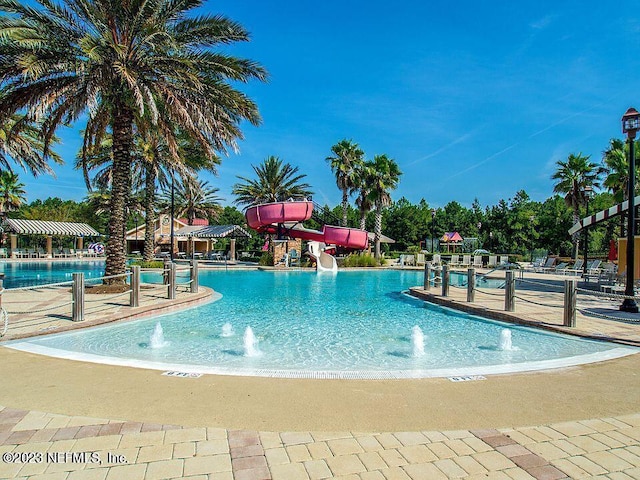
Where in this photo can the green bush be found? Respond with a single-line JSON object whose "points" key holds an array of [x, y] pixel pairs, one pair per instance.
{"points": [[266, 260], [151, 264], [363, 260]]}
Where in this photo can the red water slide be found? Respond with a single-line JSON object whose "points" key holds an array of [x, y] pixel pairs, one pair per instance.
{"points": [[279, 216]]}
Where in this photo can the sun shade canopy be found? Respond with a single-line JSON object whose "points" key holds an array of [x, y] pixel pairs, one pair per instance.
{"points": [[212, 231], [42, 227]]}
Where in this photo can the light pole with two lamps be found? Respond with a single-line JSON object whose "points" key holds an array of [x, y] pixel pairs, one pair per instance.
{"points": [[588, 190], [433, 229], [630, 125]]}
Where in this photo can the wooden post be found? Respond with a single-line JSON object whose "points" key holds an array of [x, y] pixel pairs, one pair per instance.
{"points": [[570, 297], [445, 280], [134, 296], [471, 284], [510, 291], [172, 281], [195, 285], [77, 296], [427, 275]]}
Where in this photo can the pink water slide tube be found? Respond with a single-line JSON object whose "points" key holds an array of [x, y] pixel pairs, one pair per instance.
{"points": [[266, 217]]}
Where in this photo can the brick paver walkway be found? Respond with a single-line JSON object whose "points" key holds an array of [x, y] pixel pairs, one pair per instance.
{"points": [[37, 445]]}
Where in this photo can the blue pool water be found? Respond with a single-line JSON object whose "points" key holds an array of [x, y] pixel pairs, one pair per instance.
{"points": [[26, 274], [353, 324]]}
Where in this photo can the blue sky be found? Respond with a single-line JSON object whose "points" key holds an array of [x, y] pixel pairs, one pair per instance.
{"points": [[472, 99]]}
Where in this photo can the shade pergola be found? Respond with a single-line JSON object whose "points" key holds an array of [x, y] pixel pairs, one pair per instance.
{"points": [[208, 232], [43, 227], [15, 227]]}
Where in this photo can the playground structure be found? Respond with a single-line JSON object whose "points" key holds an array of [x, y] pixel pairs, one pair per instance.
{"points": [[285, 219]]}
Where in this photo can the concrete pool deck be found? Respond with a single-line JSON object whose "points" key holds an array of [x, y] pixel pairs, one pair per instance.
{"points": [[577, 422]]}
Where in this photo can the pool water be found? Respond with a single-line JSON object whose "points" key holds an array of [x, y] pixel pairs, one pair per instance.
{"points": [[353, 324], [26, 274]]}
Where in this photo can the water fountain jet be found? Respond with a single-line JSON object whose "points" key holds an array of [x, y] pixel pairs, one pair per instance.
{"points": [[417, 340], [250, 343], [157, 337], [227, 330]]}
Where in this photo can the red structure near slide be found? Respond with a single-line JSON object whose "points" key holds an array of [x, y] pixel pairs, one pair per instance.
{"points": [[285, 217]]}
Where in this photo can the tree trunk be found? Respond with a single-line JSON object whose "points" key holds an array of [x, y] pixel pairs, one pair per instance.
{"points": [[363, 220], [122, 122], [378, 228], [149, 213], [345, 205]]}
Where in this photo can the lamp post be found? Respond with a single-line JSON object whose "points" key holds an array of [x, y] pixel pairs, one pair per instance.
{"points": [[479, 232], [532, 220], [630, 125], [433, 229], [587, 195]]}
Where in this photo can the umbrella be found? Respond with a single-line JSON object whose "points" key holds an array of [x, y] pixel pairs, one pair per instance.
{"points": [[613, 251]]}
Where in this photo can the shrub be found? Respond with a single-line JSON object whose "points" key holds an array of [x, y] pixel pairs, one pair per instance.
{"points": [[266, 260], [363, 260]]}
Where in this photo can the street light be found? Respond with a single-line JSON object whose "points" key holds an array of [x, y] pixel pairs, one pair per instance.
{"points": [[433, 229], [587, 195], [532, 220], [630, 125]]}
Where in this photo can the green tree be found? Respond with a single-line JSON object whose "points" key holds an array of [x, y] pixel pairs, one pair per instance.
{"points": [[125, 62], [385, 176], [363, 176], [275, 182], [193, 199], [12, 193], [21, 142], [347, 156], [572, 176]]}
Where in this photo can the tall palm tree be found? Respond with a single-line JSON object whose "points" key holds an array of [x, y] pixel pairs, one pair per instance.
{"points": [[344, 163], [616, 167], [125, 62], [362, 186], [274, 182], [385, 176], [21, 142], [572, 176], [12, 193], [193, 198]]}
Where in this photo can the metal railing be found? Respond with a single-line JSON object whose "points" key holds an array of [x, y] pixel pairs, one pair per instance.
{"points": [[569, 291], [78, 302]]}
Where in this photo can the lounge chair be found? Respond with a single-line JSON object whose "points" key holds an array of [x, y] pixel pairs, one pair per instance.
{"points": [[455, 261], [576, 268], [466, 261], [493, 261], [420, 259], [477, 261], [504, 260], [436, 259], [560, 269], [548, 265]]}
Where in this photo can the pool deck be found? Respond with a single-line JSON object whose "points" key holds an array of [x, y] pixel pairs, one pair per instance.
{"points": [[577, 422]]}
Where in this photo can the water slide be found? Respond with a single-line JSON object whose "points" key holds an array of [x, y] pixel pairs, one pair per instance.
{"points": [[284, 218]]}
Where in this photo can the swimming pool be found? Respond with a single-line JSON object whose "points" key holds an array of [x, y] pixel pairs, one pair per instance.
{"points": [[26, 274], [356, 324]]}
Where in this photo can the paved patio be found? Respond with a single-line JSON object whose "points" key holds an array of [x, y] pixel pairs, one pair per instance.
{"points": [[128, 423]]}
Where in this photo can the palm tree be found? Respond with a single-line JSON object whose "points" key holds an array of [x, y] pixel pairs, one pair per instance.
{"points": [[616, 165], [125, 62], [12, 193], [344, 163], [385, 176], [362, 186], [572, 177], [275, 182], [193, 198], [22, 143]]}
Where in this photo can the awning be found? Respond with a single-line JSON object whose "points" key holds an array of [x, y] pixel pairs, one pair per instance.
{"points": [[42, 227], [212, 231], [603, 215], [383, 238]]}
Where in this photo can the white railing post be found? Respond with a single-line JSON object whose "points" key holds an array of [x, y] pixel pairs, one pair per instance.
{"points": [[134, 296], [471, 284], [427, 275], [172, 281], [570, 297], [510, 291], [195, 285], [77, 297]]}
